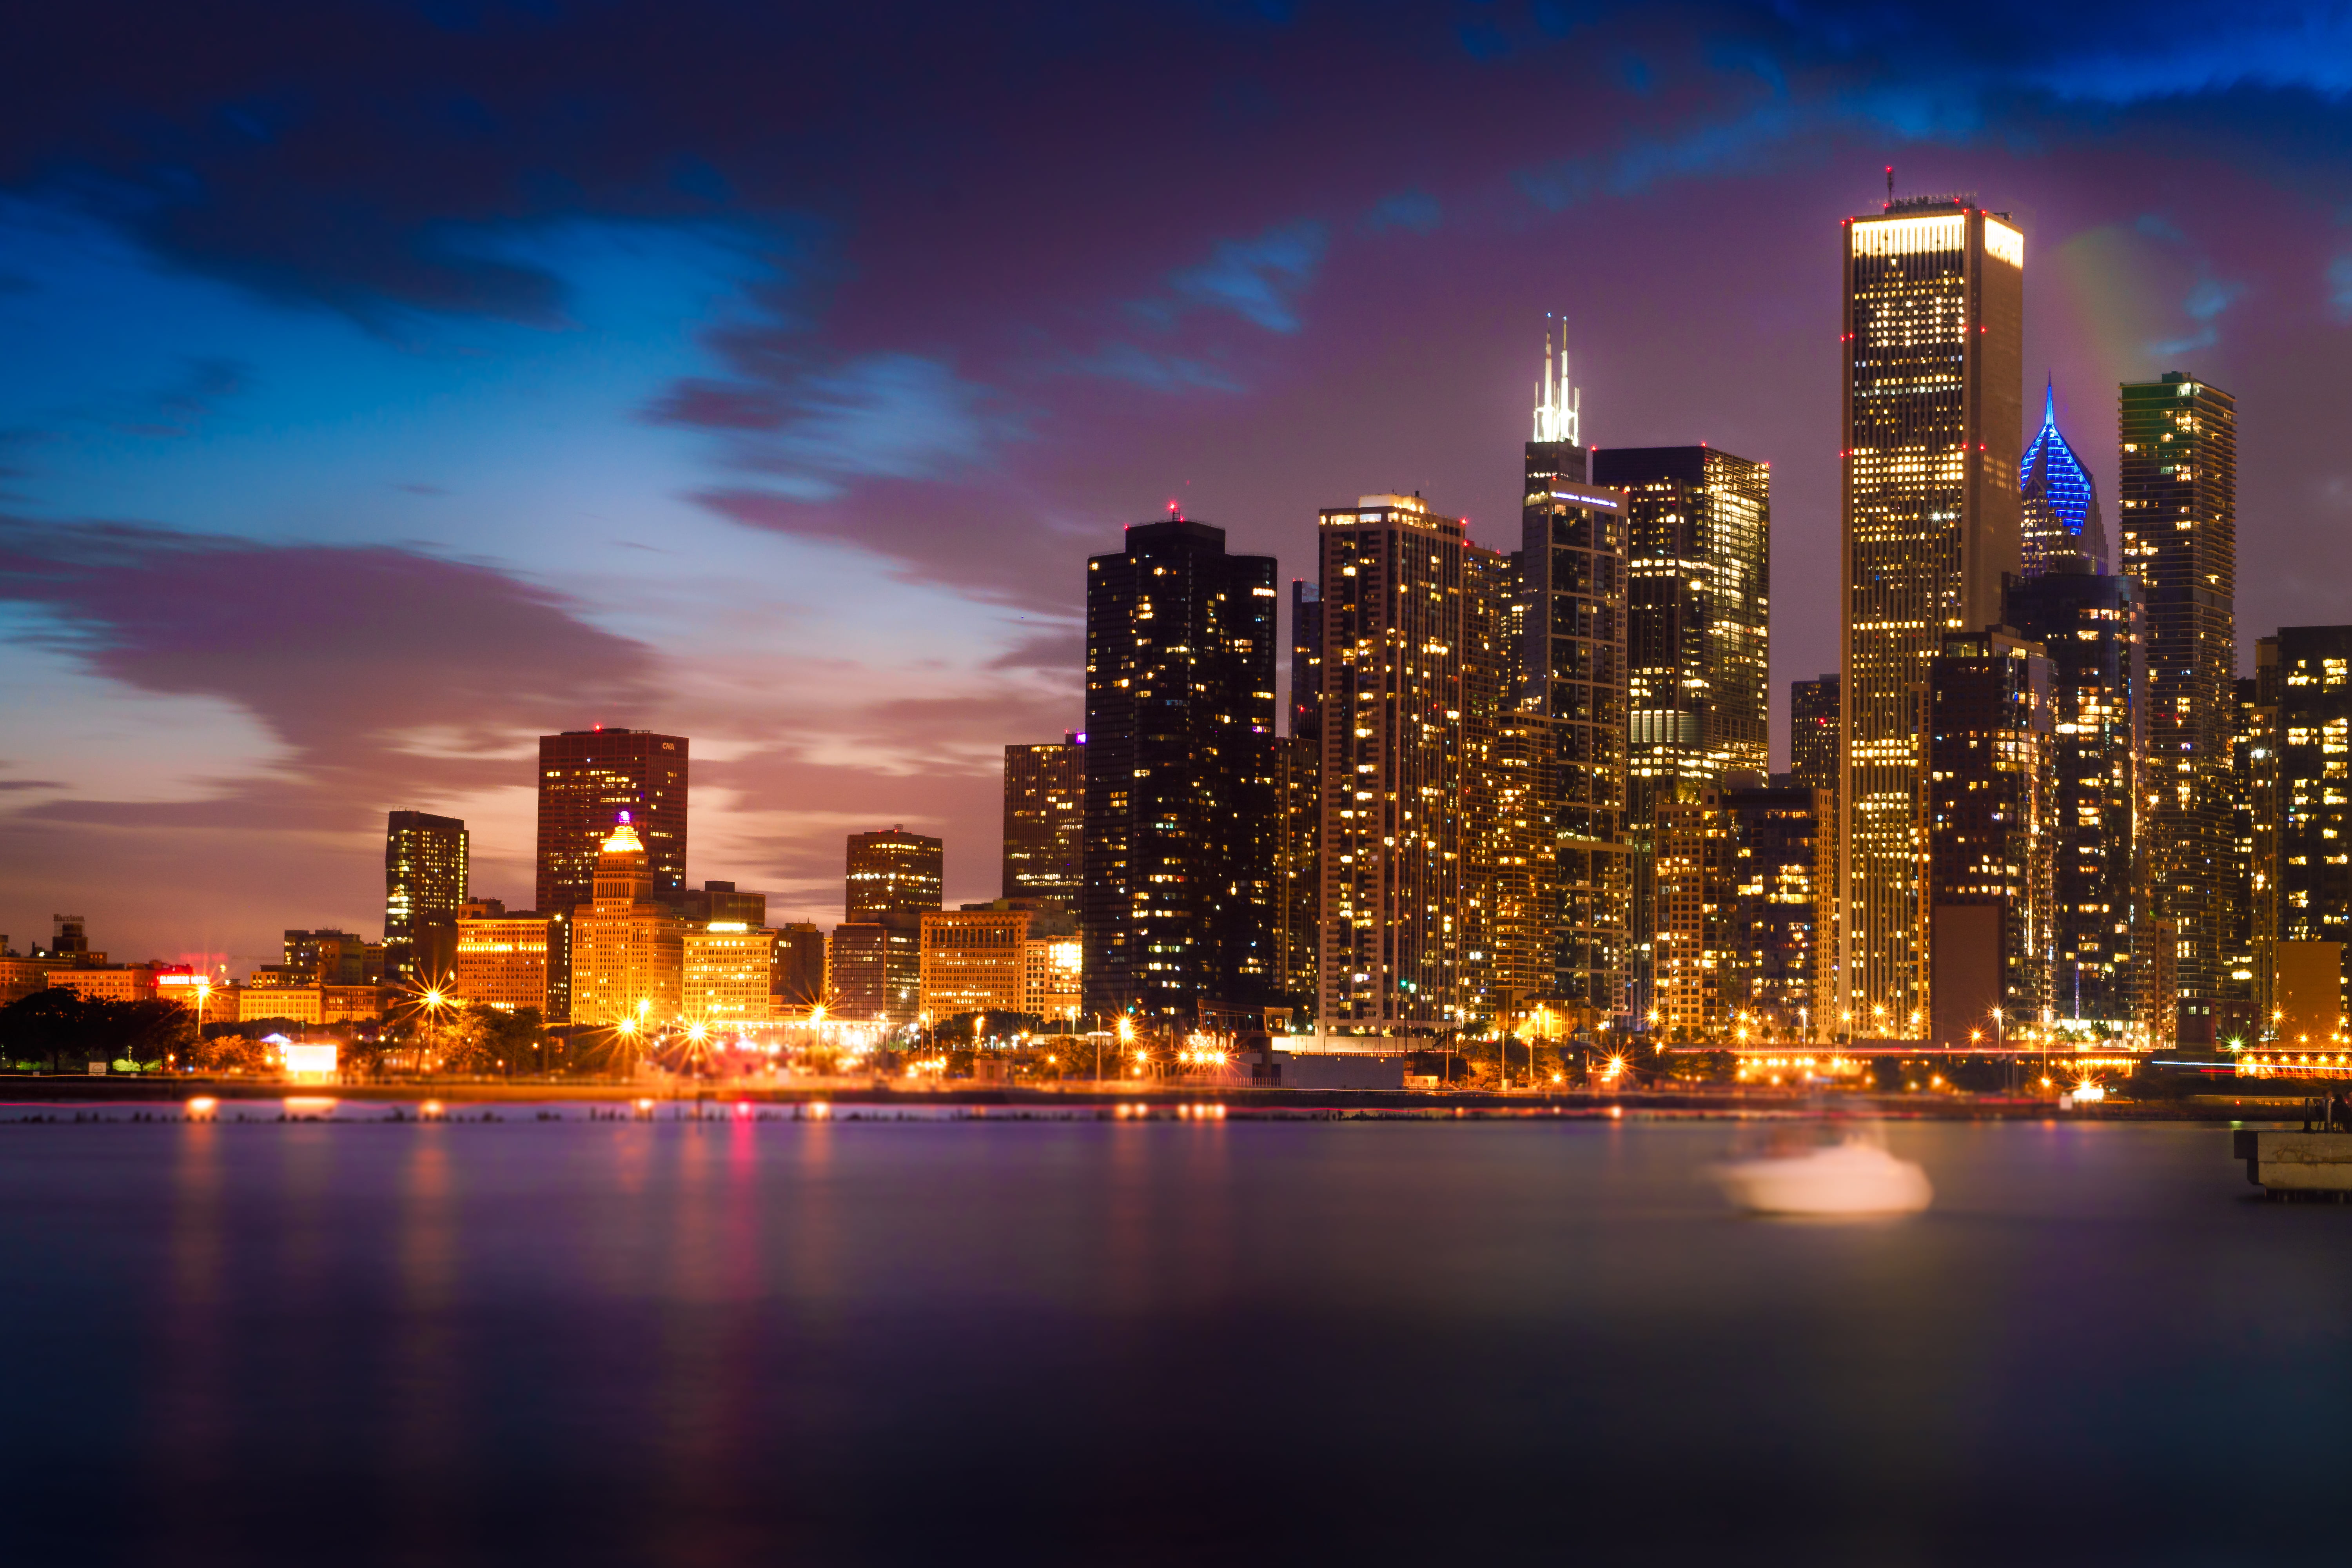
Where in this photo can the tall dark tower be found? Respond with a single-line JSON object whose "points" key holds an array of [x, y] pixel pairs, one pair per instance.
{"points": [[1045, 819], [1813, 733], [2179, 492], [1180, 900], [2093, 627], [586, 779], [1932, 353], [425, 866]]}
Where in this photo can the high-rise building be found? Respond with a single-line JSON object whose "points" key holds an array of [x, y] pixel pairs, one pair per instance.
{"points": [[1783, 864], [2255, 834], [724, 969], [327, 957], [1298, 870], [1813, 733], [627, 949], [1572, 583], [1933, 394], [894, 880], [2093, 628], [586, 779], [978, 960], [1180, 905], [2058, 502], [1398, 696], [1698, 697], [1045, 819], [2314, 814], [858, 975], [1691, 917], [1990, 789], [2179, 504], [718, 902], [425, 869]]}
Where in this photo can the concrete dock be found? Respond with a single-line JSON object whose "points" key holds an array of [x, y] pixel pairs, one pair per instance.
{"points": [[2287, 1164]]}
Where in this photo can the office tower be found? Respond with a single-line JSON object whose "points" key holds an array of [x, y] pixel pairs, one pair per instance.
{"points": [[1783, 865], [2093, 627], [1690, 917], [2058, 502], [1179, 907], [717, 901], [1698, 698], [974, 960], [586, 779], [1933, 370], [2252, 758], [328, 957], [2314, 855], [1306, 660], [724, 972], [1572, 576], [1045, 819], [2255, 763], [627, 949], [797, 979], [502, 957], [68, 937], [1814, 732], [1397, 696], [1052, 976], [893, 881], [1989, 787], [425, 866], [2178, 503]]}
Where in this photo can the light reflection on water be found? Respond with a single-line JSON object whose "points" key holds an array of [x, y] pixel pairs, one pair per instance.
{"points": [[1119, 1340]]}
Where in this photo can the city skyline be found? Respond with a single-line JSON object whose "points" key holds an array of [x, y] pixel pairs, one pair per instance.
{"points": [[622, 456]]}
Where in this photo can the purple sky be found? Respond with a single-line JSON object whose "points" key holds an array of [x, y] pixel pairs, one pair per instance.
{"points": [[387, 385]]}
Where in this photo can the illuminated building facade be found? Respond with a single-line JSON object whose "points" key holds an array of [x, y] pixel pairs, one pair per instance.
{"points": [[586, 779], [1298, 870], [2314, 853], [1053, 977], [627, 949], [724, 969], [1306, 660], [1181, 900], [502, 957], [1691, 917], [1932, 407], [327, 957], [1814, 732], [2254, 847], [2092, 627], [1698, 693], [894, 880], [1045, 819], [1991, 787], [425, 868], [858, 974], [2058, 502], [1398, 692], [974, 960], [1572, 584], [1784, 865], [2178, 491], [797, 980]]}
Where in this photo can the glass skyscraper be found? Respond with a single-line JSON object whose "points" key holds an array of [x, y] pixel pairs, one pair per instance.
{"points": [[2058, 501]]}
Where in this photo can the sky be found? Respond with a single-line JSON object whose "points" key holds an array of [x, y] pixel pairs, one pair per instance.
{"points": [[383, 386]]}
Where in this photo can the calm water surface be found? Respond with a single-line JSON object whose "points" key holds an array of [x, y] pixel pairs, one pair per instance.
{"points": [[1106, 1341]]}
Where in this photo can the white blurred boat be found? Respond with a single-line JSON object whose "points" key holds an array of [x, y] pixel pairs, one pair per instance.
{"points": [[1854, 1178]]}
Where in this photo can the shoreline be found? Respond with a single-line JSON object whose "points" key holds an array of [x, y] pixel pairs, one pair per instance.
{"points": [[1730, 1104]]}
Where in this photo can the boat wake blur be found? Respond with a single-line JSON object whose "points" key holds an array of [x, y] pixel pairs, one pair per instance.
{"points": [[1843, 1173]]}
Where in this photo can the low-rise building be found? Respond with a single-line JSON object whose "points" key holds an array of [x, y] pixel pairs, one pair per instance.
{"points": [[627, 951], [726, 968], [1016, 955], [107, 982], [501, 960]]}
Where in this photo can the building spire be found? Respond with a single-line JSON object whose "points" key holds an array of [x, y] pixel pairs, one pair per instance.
{"points": [[1558, 403]]}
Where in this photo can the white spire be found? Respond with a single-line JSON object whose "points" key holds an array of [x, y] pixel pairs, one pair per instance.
{"points": [[1557, 402]]}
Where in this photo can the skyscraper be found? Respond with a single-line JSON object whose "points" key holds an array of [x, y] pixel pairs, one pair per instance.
{"points": [[2092, 627], [1783, 862], [627, 949], [2179, 503], [2058, 501], [586, 779], [2254, 841], [894, 880], [1698, 698], [1180, 830], [1398, 690], [2313, 850], [1933, 369], [1813, 736], [1990, 786], [1306, 660], [425, 868], [1045, 819]]}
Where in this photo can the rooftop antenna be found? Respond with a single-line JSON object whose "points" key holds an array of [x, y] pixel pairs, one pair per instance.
{"points": [[1558, 402], [1890, 185]]}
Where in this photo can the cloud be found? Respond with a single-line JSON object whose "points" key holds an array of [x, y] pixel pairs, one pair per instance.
{"points": [[179, 409], [1417, 212], [2339, 284], [339, 651], [1257, 279]]}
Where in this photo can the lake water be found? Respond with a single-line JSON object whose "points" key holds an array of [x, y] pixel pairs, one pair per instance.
{"points": [[1095, 1342]]}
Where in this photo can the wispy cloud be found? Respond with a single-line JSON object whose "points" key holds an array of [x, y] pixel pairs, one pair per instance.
{"points": [[1258, 279]]}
